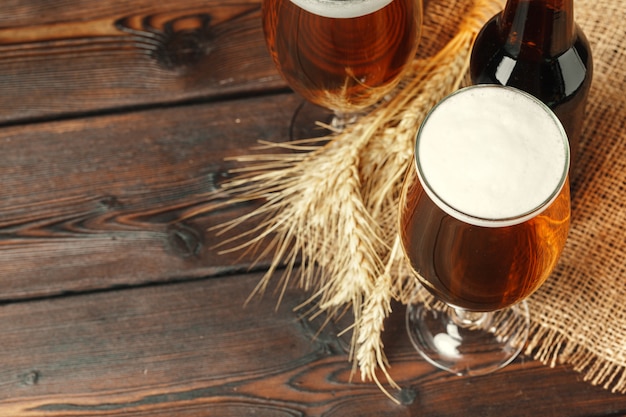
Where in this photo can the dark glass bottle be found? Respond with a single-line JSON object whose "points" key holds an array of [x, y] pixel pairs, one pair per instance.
{"points": [[536, 46]]}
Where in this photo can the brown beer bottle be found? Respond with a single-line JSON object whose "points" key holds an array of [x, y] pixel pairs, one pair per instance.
{"points": [[535, 46]]}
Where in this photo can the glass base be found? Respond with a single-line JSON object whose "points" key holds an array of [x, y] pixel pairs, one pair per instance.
{"points": [[468, 343], [308, 122], [311, 121]]}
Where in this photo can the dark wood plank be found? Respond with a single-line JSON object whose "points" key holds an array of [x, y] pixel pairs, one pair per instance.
{"points": [[75, 57], [191, 349], [96, 202]]}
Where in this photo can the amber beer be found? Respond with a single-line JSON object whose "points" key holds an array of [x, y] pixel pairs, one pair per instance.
{"points": [[485, 215], [342, 54]]}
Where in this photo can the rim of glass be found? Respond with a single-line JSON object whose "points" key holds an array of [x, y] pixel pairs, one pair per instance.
{"points": [[485, 221], [341, 9]]}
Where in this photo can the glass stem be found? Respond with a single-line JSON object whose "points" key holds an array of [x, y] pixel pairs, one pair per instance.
{"points": [[468, 319], [343, 120]]}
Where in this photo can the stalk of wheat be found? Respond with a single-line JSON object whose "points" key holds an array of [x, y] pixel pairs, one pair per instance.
{"points": [[330, 207]]}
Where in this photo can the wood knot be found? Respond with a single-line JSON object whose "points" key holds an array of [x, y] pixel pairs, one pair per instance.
{"points": [[29, 378], [407, 396], [110, 202], [186, 40], [174, 42], [184, 240]]}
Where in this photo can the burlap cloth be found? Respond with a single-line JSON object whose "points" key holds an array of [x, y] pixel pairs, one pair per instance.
{"points": [[579, 315]]}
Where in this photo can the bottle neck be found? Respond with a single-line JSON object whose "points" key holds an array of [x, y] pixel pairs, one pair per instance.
{"points": [[538, 28]]}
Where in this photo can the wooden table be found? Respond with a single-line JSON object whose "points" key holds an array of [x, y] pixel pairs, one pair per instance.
{"points": [[117, 117]]}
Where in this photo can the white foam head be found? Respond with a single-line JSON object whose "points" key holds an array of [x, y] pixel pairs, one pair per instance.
{"points": [[341, 9], [492, 155]]}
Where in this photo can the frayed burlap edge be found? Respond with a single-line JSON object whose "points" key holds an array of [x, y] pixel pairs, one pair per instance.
{"points": [[551, 347], [559, 332]]}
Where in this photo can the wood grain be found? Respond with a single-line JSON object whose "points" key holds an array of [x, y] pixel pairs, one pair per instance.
{"points": [[79, 57], [96, 202], [192, 349], [115, 120]]}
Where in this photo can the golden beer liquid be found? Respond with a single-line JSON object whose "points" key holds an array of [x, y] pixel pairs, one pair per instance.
{"points": [[343, 64], [480, 268]]}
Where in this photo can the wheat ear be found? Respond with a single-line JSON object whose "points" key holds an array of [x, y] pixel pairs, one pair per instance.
{"points": [[330, 205]]}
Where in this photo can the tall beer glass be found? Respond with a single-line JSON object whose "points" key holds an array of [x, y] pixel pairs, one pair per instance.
{"points": [[484, 217], [343, 55]]}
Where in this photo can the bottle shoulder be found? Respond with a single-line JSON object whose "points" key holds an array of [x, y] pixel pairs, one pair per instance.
{"points": [[547, 76], [492, 37]]}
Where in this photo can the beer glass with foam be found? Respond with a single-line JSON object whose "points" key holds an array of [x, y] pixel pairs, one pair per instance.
{"points": [[343, 55], [484, 216]]}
